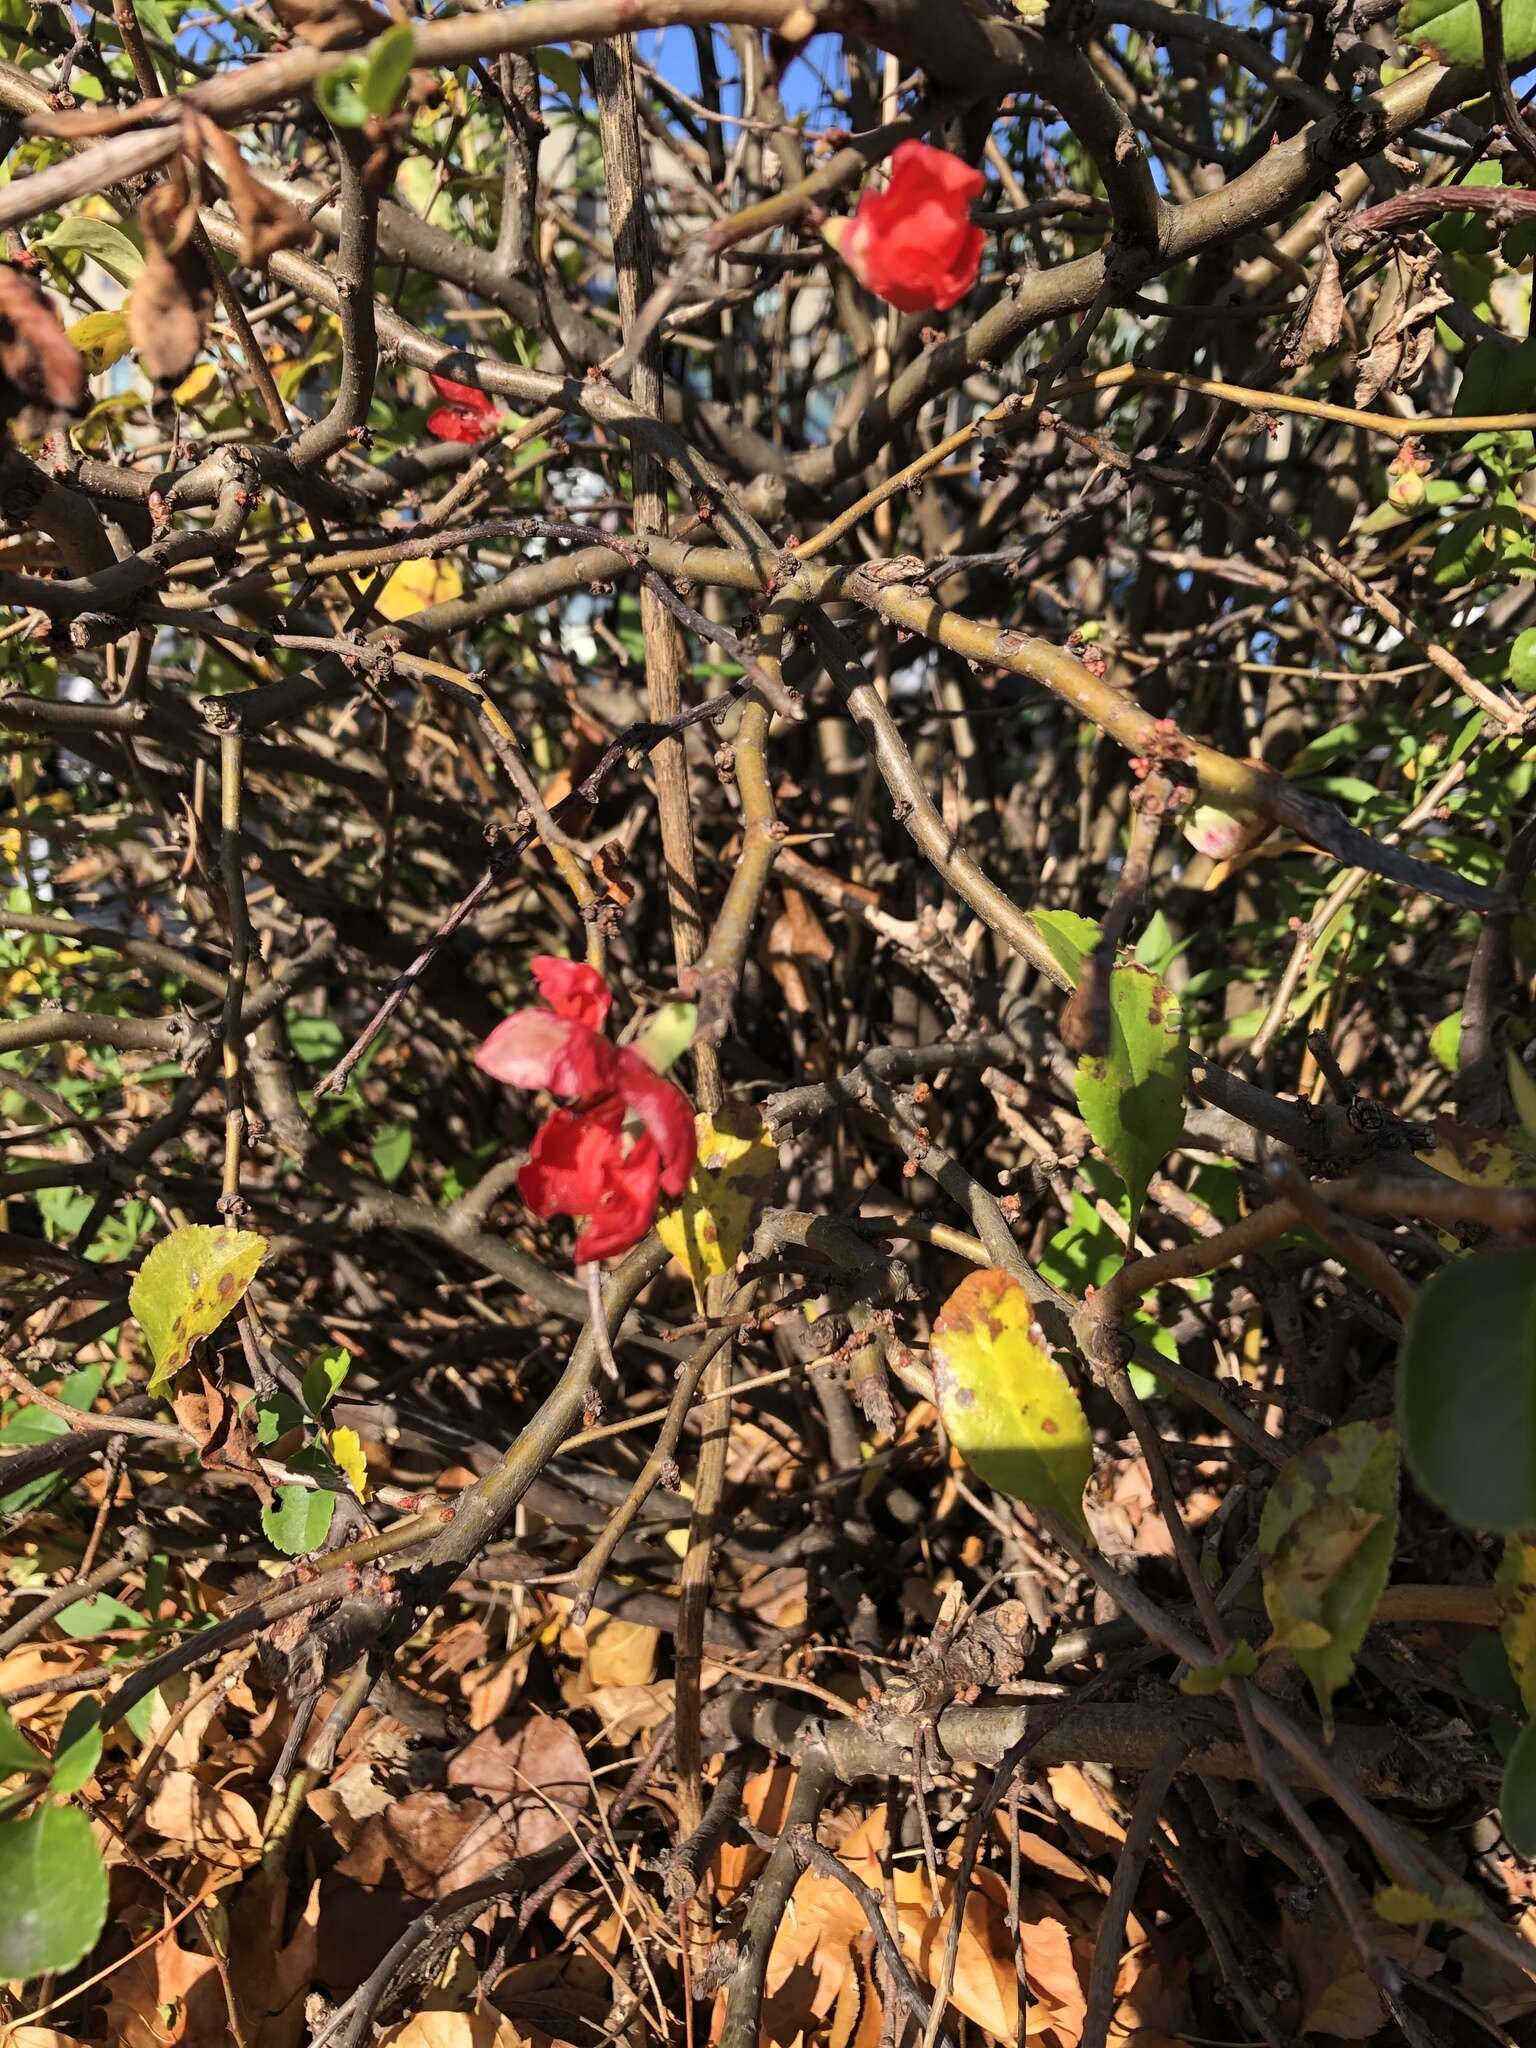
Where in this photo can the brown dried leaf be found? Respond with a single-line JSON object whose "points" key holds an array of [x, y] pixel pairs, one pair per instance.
{"points": [[432, 1843], [268, 222], [536, 1773], [1337, 1997], [330, 24], [482, 2028], [39, 364], [167, 307], [219, 1825], [1323, 320]]}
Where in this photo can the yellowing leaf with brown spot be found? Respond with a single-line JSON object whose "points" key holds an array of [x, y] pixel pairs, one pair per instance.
{"points": [[416, 585], [732, 1176], [187, 1286], [102, 339], [1010, 1410]]}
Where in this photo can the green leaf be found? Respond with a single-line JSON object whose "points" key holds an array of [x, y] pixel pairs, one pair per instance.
{"points": [[317, 1041], [1452, 31], [340, 97], [1071, 939], [54, 1886], [16, 1753], [1515, 1584], [1522, 660], [100, 241], [1522, 1091], [322, 1377], [1483, 1668], [561, 69], [301, 1515], [94, 1616], [1517, 1801], [388, 69], [79, 1747], [187, 1286], [1008, 1407], [1466, 1390], [392, 1153], [1132, 1099], [667, 1036], [1445, 1042], [1498, 376], [1326, 1539], [1241, 1661]]}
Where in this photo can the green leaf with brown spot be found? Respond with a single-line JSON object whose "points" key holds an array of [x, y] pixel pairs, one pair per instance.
{"points": [[1010, 1410], [1326, 1539], [1132, 1098], [187, 1286]]}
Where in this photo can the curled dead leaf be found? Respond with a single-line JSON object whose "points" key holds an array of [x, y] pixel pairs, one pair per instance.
{"points": [[39, 364], [330, 24], [268, 222]]}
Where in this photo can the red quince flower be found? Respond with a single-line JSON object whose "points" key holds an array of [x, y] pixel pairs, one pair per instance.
{"points": [[629, 1137], [915, 244], [469, 415]]}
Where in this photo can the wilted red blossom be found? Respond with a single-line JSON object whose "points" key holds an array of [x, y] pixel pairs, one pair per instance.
{"points": [[469, 415], [915, 244], [584, 1161]]}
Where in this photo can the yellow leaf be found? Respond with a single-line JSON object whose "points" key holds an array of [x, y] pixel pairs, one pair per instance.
{"points": [[102, 339], [187, 1286], [415, 585], [1010, 1410], [195, 385], [347, 1455], [708, 1230]]}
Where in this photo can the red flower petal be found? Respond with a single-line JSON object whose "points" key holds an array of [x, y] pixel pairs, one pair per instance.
{"points": [[666, 1114], [467, 397], [537, 1049], [573, 989], [914, 244], [453, 423], [573, 1159], [627, 1207]]}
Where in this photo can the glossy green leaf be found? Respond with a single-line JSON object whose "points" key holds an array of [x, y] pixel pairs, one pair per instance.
{"points": [[1517, 1801], [1452, 30], [1522, 660], [79, 1747], [388, 69], [1008, 1407], [1132, 1098], [1326, 1539], [54, 1888], [322, 1378], [16, 1753], [100, 241], [1445, 1042], [1498, 376], [340, 97], [1071, 939], [187, 1286], [94, 1615], [1466, 1390], [391, 1151], [300, 1518]]}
